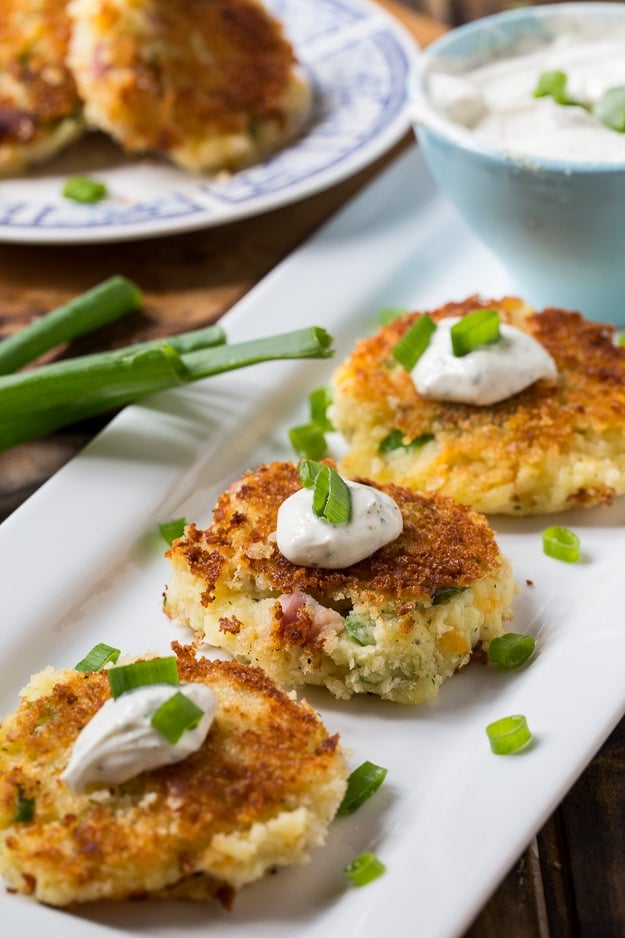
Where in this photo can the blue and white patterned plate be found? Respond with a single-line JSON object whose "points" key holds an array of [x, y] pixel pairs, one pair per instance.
{"points": [[358, 59]]}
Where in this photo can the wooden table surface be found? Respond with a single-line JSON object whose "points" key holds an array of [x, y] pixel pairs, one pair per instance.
{"points": [[571, 879]]}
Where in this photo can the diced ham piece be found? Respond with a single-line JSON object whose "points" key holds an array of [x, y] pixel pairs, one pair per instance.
{"points": [[297, 606]]}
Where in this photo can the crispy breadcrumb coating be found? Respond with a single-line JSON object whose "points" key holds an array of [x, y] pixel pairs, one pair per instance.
{"points": [[551, 447], [396, 624], [211, 84], [259, 793], [40, 111]]}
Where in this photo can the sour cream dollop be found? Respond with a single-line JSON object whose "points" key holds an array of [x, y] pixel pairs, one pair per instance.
{"points": [[119, 741], [486, 375], [307, 540], [496, 100]]}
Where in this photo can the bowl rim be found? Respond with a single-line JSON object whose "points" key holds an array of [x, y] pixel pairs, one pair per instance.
{"points": [[425, 117]]}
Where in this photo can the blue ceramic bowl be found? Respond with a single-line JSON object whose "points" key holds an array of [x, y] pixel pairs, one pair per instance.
{"points": [[557, 226]]}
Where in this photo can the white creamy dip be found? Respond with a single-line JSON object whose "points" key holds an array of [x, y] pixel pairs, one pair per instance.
{"points": [[496, 100], [307, 540], [488, 374], [119, 741]]}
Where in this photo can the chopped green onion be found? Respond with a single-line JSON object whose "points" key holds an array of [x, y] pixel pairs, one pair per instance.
{"points": [[36, 402], [99, 655], [360, 627], [24, 808], [474, 330], [511, 650], [364, 869], [319, 400], [395, 440], [84, 314], [308, 440], [83, 189], [331, 497], [414, 342], [561, 543], [508, 735], [552, 84], [390, 314], [170, 530], [610, 108], [338, 508], [309, 469], [443, 593], [361, 785], [140, 673], [175, 716], [321, 491]]}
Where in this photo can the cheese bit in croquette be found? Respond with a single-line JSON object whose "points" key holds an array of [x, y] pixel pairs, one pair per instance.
{"points": [[258, 792], [555, 441], [395, 623], [211, 85], [40, 111]]}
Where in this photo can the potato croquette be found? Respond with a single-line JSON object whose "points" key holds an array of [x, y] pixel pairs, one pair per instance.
{"points": [[556, 445], [211, 84], [40, 111], [396, 624], [259, 793]]}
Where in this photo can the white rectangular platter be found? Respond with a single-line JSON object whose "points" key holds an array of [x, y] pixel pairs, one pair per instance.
{"points": [[82, 562]]}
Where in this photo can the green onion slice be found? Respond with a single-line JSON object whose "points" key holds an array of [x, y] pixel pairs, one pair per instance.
{"points": [[83, 189], [170, 530], [561, 543], [24, 807], [511, 650], [361, 785], [509, 734], [321, 491], [395, 440], [414, 342], [552, 84], [175, 716], [331, 496], [139, 673], [309, 469], [364, 869], [610, 108], [319, 400], [445, 593], [360, 627], [308, 440], [475, 330], [99, 655], [338, 508]]}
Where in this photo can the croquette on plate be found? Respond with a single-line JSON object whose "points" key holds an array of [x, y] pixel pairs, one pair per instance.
{"points": [[553, 446], [259, 793], [40, 111], [211, 85], [395, 624]]}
